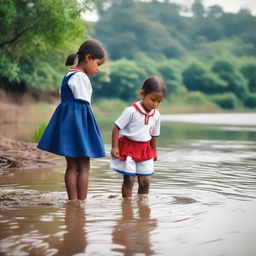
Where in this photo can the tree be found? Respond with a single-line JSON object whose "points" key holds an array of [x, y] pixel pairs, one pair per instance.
{"points": [[157, 29], [35, 26], [124, 80], [225, 100], [228, 72], [198, 77], [249, 72], [237, 24], [210, 29], [215, 11], [140, 28], [31, 29], [198, 9], [170, 71]]}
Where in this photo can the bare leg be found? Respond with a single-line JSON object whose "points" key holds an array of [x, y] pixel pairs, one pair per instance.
{"points": [[144, 183], [83, 177], [76, 177], [71, 178], [128, 183]]}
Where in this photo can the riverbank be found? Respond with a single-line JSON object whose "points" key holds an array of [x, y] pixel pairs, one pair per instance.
{"points": [[20, 114], [16, 154]]}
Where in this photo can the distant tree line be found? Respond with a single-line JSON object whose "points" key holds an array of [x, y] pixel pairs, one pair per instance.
{"points": [[228, 82], [212, 52], [157, 29]]}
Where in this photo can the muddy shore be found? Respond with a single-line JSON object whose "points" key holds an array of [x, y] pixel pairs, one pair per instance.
{"points": [[20, 154]]}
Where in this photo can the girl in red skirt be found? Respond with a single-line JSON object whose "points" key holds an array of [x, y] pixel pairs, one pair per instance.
{"points": [[134, 137]]}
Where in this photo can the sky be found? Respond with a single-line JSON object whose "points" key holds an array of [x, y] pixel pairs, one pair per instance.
{"points": [[227, 6]]}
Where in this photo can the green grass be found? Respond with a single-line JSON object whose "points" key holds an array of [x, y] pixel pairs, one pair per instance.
{"points": [[36, 136]]}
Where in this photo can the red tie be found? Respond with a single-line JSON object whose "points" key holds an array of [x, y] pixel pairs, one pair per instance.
{"points": [[143, 111]]}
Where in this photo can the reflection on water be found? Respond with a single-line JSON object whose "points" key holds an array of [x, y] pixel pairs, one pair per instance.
{"points": [[202, 202], [132, 230], [74, 238]]}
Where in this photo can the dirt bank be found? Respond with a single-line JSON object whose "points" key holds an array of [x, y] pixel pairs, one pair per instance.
{"points": [[20, 114], [28, 96], [20, 154]]}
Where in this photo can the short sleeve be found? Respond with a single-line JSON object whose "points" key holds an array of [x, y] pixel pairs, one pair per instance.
{"points": [[156, 129], [80, 86], [125, 118]]}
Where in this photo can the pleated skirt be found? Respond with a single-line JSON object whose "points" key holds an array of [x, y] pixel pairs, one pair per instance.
{"points": [[73, 132]]}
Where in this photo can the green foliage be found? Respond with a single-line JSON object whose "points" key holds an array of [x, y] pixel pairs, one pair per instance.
{"points": [[47, 75], [35, 27], [123, 78], [198, 77], [225, 100], [31, 30], [249, 71], [198, 9], [36, 136], [250, 102], [9, 69], [127, 76], [157, 33], [170, 70], [222, 48], [159, 29], [146, 31], [196, 99], [228, 72]]}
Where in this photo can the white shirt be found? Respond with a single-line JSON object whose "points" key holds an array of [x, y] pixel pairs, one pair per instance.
{"points": [[132, 124], [80, 86]]}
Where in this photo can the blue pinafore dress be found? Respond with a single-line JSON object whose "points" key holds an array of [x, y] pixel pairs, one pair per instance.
{"points": [[72, 130]]}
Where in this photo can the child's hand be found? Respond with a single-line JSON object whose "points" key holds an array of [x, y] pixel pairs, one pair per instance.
{"points": [[115, 152]]}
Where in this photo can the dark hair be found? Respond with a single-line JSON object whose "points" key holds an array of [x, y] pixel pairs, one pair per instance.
{"points": [[154, 84], [91, 47]]}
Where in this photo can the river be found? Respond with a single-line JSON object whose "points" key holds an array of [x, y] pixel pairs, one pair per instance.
{"points": [[202, 199]]}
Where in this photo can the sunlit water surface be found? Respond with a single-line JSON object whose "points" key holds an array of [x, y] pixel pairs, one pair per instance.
{"points": [[202, 202]]}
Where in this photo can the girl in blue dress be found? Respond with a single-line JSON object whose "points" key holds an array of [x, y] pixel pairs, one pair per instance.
{"points": [[72, 131]]}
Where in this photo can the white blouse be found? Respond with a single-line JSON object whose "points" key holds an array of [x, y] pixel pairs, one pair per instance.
{"points": [[132, 124], [80, 86]]}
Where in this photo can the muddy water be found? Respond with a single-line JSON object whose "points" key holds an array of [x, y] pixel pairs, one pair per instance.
{"points": [[202, 202]]}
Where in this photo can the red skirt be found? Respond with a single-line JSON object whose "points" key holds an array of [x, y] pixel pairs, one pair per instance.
{"points": [[138, 151]]}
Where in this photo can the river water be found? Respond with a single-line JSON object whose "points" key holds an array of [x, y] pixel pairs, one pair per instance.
{"points": [[202, 199]]}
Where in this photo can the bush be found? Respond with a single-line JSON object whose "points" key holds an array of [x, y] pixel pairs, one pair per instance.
{"points": [[195, 99], [250, 102], [226, 100], [198, 77]]}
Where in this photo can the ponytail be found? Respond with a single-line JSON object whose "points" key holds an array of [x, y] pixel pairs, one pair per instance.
{"points": [[71, 59], [91, 47]]}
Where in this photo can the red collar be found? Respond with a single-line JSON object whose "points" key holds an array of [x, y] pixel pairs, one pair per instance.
{"points": [[75, 69], [143, 111]]}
